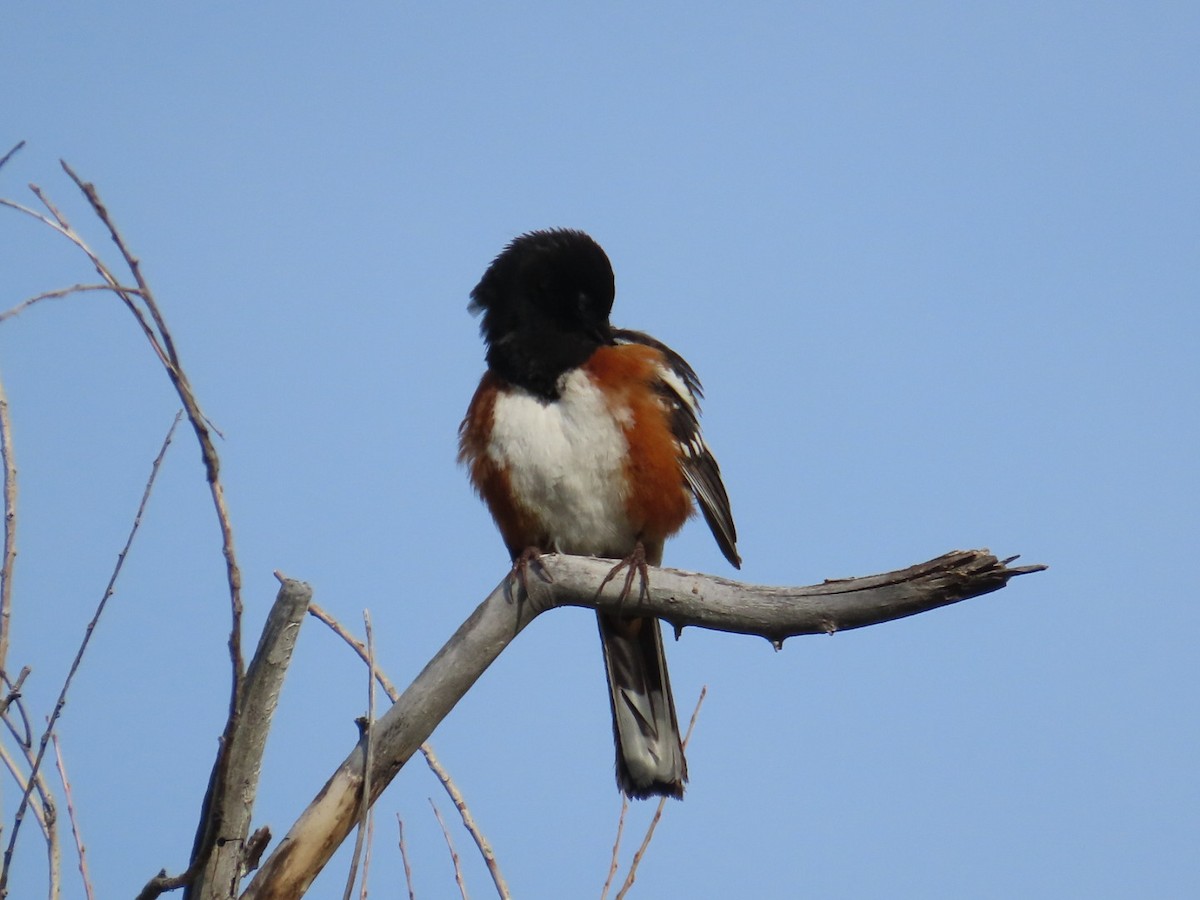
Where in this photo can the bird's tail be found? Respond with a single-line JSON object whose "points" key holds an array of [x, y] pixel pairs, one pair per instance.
{"points": [[649, 749]]}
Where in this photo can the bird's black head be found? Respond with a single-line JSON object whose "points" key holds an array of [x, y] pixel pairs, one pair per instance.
{"points": [[545, 302]]}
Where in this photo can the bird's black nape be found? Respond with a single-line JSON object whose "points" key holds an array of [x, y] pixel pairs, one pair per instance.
{"points": [[545, 302]]}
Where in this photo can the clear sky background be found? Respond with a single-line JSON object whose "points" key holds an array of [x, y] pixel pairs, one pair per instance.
{"points": [[937, 265]]}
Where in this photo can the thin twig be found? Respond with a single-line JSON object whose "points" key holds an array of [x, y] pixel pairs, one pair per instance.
{"points": [[458, 875], [316, 610], [165, 345], [43, 806], [75, 832], [51, 208], [14, 700], [114, 285], [641, 851], [11, 153], [616, 851], [404, 858], [142, 305], [10, 523], [485, 848], [163, 883], [14, 696], [365, 802], [91, 627], [439, 771], [362, 890], [65, 292], [60, 225], [18, 775], [134, 264], [368, 750]]}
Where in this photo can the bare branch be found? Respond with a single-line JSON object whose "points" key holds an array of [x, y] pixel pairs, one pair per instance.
{"points": [[143, 306], [458, 875], [315, 610], [155, 329], [404, 858], [164, 346], [24, 738], [134, 264], [11, 153], [255, 845], [682, 598], [460, 803], [41, 802], [162, 883], [87, 637], [616, 850], [362, 891], [64, 292], [364, 803], [229, 804], [75, 832], [18, 775], [439, 771], [10, 522]]}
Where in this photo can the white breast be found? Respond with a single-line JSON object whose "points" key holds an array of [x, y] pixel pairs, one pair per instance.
{"points": [[564, 460]]}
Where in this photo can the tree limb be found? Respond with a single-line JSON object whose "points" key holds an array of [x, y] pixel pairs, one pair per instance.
{"points": [[230, 801], [681, 598]]}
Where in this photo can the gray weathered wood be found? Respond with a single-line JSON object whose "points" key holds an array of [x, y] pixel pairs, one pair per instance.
{"points": [[681, 598], [228, 808]]}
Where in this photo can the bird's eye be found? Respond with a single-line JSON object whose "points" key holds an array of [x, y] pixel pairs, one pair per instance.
{"points": [[584, 302]]}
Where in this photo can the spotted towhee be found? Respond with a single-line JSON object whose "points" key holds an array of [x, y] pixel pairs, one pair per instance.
{"points": [[583, 438]]}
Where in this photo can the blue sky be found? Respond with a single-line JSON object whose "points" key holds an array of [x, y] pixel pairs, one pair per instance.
{"points": [[937, 267]]}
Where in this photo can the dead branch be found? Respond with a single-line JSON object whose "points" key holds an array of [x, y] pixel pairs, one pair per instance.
{"points": [[473, 829], [60, 293], [681, 598], [404, 858], [11, 153], [141, 303], [458, 875], [87, 636], [10, 521], [80, 849], [164, 347], [364, 804], [616, 850], [439, 771], [234, 785]]}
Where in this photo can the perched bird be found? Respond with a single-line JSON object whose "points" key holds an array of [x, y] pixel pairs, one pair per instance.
{"points": [[585, 439]]}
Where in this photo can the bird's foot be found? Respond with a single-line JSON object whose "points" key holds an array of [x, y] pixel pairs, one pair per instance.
{"points": [[634, 564], [531, 557]]}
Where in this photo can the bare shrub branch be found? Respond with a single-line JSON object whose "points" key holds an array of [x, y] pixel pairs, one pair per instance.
{"points": [[141, 303], [75, 831], [681, 598], [458, 875], [11, 153], [404, 859], [439, 771], [87, 637], [61, 293], [616, 850], [364, 804], [234, 785], [10, 523]]}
